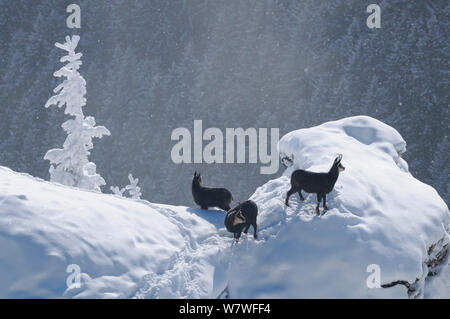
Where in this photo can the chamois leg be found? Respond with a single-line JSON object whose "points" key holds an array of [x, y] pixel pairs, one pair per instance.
{"points": [[204, 207], [289, 193], [319, 197], [246, 228], [301, 196], [324, 198], [255, 228]]}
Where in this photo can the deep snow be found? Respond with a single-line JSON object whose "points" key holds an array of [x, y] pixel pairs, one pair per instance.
{"points": [[117, 243], [379, 214]]}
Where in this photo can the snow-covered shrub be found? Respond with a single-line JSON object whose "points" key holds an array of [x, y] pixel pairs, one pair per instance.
{"points": [[118, 191], [134, 191], [70, 165]]}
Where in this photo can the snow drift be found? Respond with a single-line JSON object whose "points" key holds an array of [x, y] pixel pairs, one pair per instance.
{"points": [[379, 215]]}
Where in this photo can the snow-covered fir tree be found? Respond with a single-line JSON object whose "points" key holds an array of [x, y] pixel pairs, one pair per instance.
{"points": [[70, 165]]}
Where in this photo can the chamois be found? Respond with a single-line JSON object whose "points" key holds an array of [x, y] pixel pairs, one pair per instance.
{"points": [[319, 183], [210, 197], [241, 218]]}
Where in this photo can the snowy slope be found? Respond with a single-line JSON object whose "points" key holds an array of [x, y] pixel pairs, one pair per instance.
{"points": [[379, 214], [116, 242]]}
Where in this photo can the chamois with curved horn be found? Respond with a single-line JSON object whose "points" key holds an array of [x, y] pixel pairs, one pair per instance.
{"points": [[210, 197], [319, 183]]}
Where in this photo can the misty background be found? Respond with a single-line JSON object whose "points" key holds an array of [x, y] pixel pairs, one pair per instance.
{"points": [[153, 66]]}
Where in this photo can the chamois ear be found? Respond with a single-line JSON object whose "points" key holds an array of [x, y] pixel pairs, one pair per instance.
{"points": [[195, 174], [338, 158]]}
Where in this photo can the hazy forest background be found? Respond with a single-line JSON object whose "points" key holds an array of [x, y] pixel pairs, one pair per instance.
{"points": [[153, 66]]}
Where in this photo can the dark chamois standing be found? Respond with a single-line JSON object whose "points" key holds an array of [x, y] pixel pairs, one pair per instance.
{"points": [[241, 218], [210, 197], [319, 183]]}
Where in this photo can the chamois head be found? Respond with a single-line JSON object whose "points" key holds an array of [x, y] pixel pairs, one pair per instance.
{"points": [[239, 218], [337, 163], [197, 178]]}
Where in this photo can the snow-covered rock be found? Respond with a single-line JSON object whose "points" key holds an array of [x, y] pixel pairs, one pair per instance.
{"points": [[379, 216]]}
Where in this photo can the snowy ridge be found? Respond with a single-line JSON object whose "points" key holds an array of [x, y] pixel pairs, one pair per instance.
{"points": [[126, 248]]}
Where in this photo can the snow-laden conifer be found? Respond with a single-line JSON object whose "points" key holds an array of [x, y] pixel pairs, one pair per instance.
{"points": [[70, 165]]}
